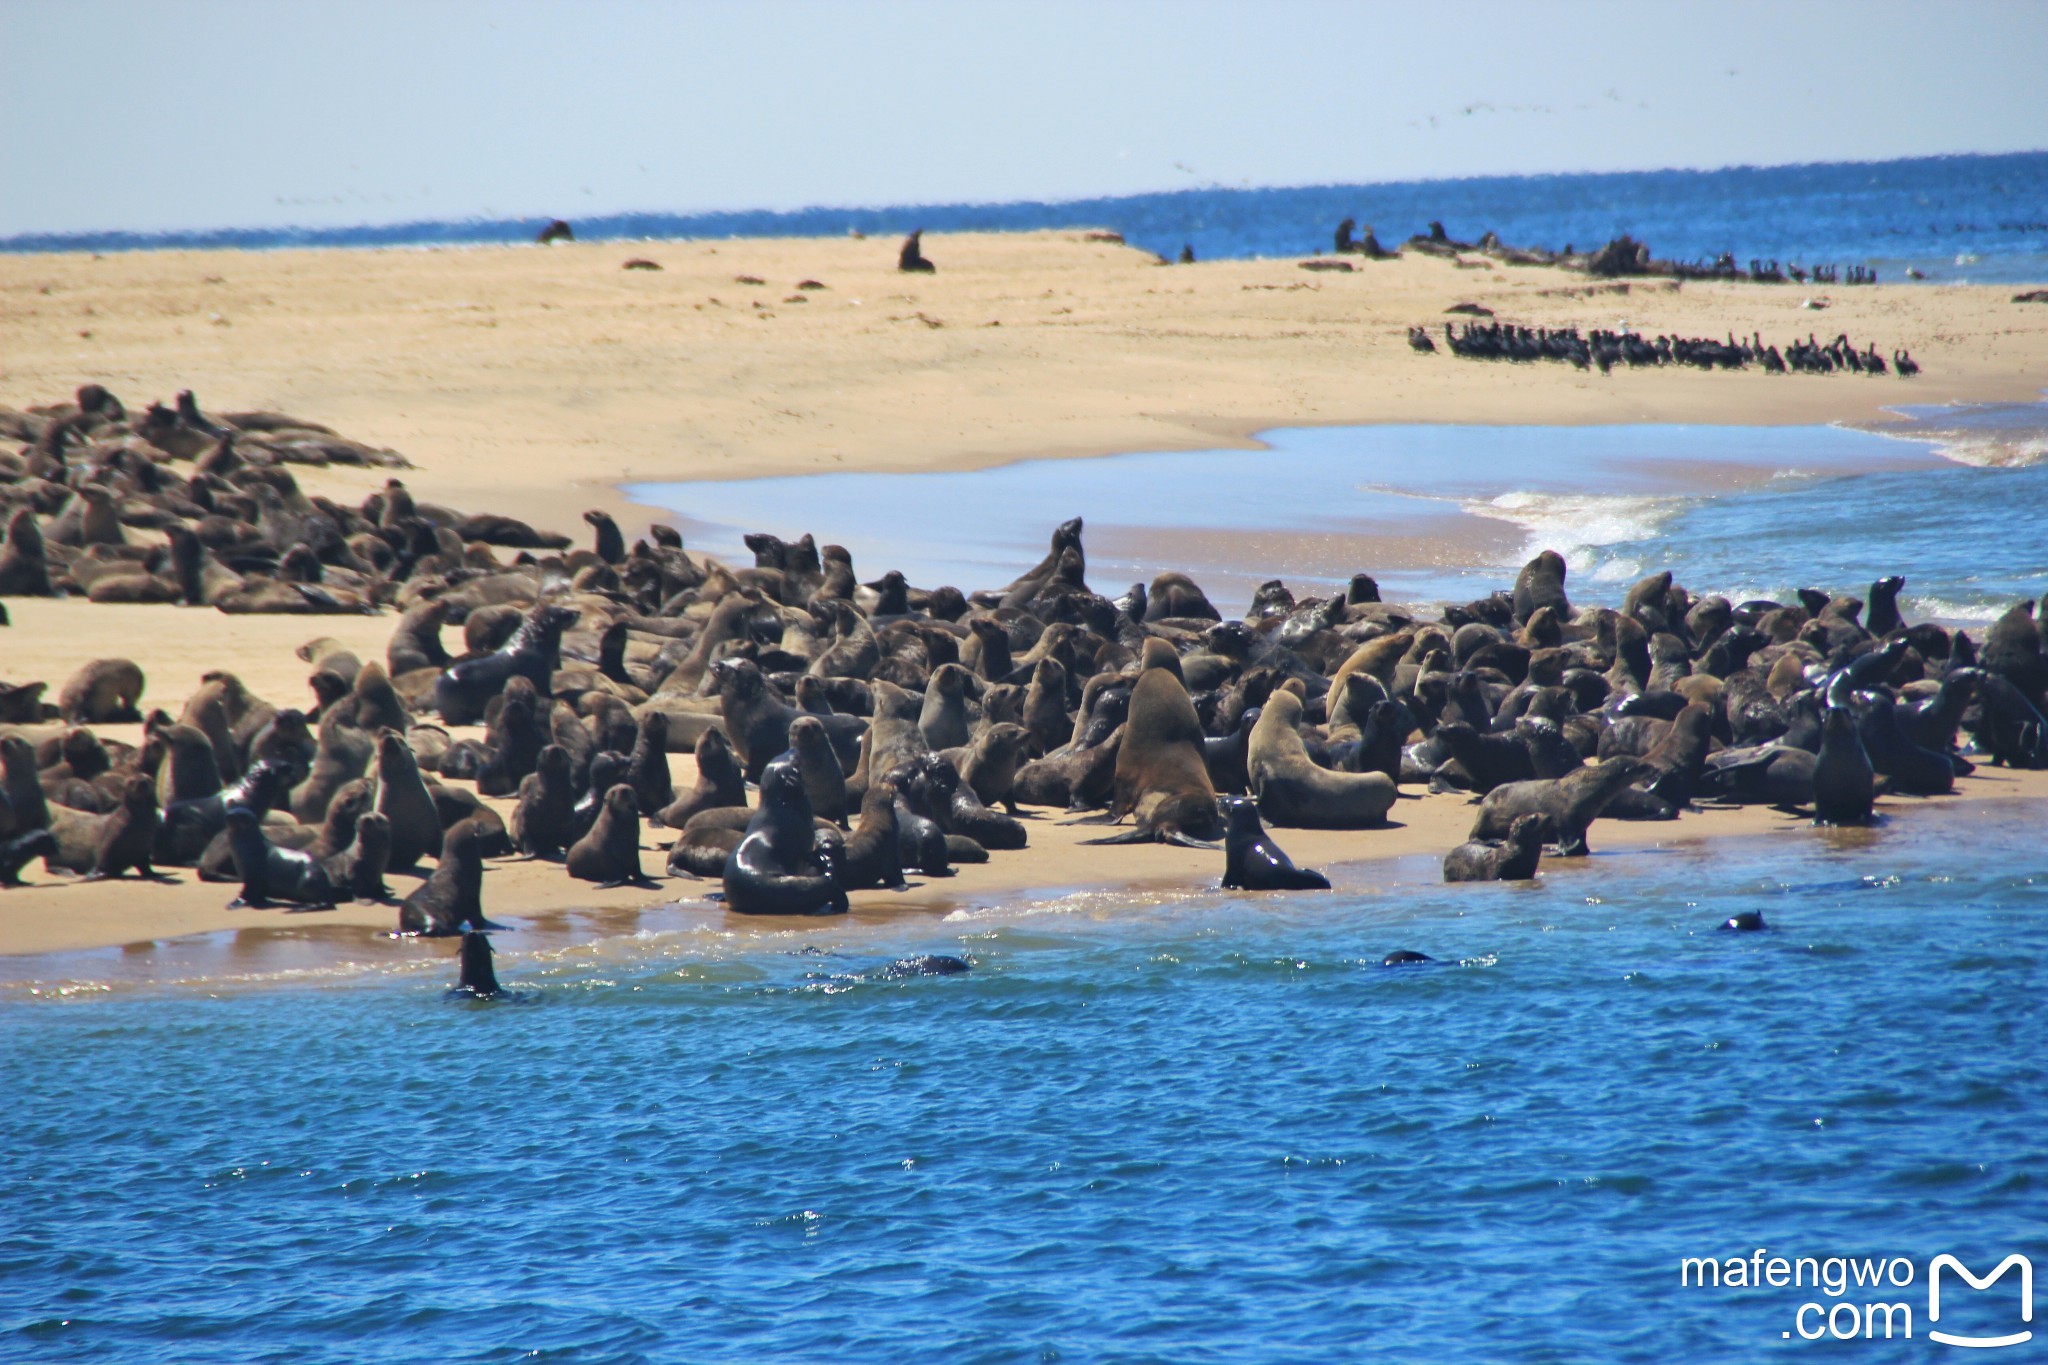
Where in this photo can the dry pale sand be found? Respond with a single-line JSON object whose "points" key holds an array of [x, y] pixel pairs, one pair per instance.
{"points": [[531, 381]]}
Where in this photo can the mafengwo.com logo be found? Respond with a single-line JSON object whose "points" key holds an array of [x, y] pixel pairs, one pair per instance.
{"points": [[1874, 1298]]}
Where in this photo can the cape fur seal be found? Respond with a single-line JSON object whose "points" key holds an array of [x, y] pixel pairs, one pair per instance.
{"points": [[533, 652], [269, 874], [1292, 790], [720, 782], [1844, 783], [911, 258], [403, 799], [542, 821], [782, 866], [1513, 860], [610, 853], [1162, 779], [451, 899], [1252, 861], [477, 977], [1568, 805]]}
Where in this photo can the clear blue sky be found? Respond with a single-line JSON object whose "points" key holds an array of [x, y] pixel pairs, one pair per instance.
{"points": [[155, 114]]}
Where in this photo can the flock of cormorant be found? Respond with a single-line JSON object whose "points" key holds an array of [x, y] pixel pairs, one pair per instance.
{"points": [[1603, 350]]}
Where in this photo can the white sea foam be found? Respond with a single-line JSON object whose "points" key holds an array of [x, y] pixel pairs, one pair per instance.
{"points": [[1582, 526]]}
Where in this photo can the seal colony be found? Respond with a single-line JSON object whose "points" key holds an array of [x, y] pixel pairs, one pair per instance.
{"points": [[854, 732]]}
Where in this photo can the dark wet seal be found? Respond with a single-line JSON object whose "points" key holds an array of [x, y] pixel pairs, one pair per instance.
{"points": [[927, 964], [1747, 922], [1404, 958]]}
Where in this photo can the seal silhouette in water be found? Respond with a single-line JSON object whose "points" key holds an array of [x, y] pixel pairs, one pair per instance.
{"points": [[1252, 861], [780, 866], [479, 978], [1402, 957], [1514, 860], [1747, 922]]}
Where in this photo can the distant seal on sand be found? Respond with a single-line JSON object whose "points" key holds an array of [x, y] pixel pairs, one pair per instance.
{"points": [[128, 837], [1292, 790], [452, 898], [557, 230], [911, 257], [1514, 860], [610, 853], [611, 543], [269, 873], [24, 570], [777, 868], [478, 977], [1568, 805], [1252, 861]]}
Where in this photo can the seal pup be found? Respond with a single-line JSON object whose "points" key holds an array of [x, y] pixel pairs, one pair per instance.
{"points": [[1568, 804], [720, 782], [777, 868], [1252, 861], [270, 874], [103, 692], [610, 853], [542, 821], [647, 771], [1513, 860], [477, 977], [874, 854], [358, 870], [1293, 790], [824, 779], [452, 898]]}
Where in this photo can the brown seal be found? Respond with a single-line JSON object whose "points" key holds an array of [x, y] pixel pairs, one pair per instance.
{"points": [[452, 898], [103, 692], [610, 854], [720, 783], [1513, 860], [1161, 779], [1292, 790]]}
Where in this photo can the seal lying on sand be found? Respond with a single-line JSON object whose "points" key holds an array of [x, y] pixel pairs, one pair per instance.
{"points": [[270, 874], [1567, 805]]}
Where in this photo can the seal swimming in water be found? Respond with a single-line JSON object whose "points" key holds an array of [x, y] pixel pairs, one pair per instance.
{"points": [[1568, 804], [478, 977], [610, 853], [451, 899], [269, 874], [1513, 860], [1252, 861], [777, 869]]}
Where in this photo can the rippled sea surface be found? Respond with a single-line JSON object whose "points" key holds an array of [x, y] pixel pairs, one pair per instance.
{"points": [[1213, 1129]]}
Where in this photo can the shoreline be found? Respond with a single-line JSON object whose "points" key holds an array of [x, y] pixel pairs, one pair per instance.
{"points": [[205, 948]]}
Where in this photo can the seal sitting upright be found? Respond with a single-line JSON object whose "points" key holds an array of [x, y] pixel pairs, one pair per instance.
{"points": [[1252, 861], [784, 864]]}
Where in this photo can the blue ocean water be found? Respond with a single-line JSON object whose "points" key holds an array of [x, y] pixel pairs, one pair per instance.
{"points": [[1957, 501], [1982, 219], [1209, 1130]]}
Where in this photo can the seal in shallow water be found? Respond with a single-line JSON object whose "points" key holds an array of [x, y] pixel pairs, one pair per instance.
{"points": [[1514, 860], [1844, 784], [1252, 861], [1568, 804], [478, 978]]}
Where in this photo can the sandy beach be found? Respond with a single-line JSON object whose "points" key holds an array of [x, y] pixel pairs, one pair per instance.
{"points": [[532, 381]]}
